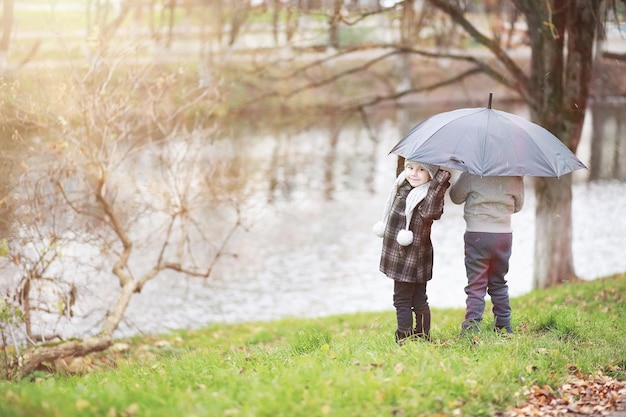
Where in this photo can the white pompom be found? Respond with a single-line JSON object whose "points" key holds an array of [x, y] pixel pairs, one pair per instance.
{"points": [[379, 229], [405, 237]]}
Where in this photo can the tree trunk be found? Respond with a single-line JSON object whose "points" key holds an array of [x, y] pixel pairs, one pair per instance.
{"points": [[334, 22], [562, 111], [407, 29], [34, 356], [114, 317], [7, 25], [37, 355], [554, 261], [25, 301]]}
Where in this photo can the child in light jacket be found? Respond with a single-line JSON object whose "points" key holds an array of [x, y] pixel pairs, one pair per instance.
{"points": [[489, 204]]}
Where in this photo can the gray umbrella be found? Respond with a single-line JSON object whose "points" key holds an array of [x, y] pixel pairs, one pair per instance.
{"points": [[488, 142]]}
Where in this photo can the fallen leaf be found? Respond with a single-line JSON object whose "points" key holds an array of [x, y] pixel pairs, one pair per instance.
{"points": [[593, 395]]}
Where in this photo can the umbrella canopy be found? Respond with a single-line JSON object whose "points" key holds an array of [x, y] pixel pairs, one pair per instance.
{"points": [[488, 142]]}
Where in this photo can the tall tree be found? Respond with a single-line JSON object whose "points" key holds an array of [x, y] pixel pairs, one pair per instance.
{"points": [[561, 74], [6, 21], [562, 34]]}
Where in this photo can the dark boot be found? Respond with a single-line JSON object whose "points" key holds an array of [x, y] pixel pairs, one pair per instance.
{"points": [[503, 329], [503, 325], [403, 335], [470, 326], [422, 323]]}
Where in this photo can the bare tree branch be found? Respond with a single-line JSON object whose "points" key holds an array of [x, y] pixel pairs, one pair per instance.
{"points": [[480, 67], [522, 82], [395, 97]]}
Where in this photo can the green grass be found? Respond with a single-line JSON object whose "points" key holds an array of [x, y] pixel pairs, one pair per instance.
{"points": [[347, 365]]}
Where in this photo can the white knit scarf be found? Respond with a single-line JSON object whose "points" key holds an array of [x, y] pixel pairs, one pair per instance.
{"points": [[415, 196]]}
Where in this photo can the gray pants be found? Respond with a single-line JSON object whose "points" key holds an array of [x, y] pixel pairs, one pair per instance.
{"points": [[486, 264]]}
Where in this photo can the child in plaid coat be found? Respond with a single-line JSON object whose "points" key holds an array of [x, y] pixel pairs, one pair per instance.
{"points": [[415, 201]]}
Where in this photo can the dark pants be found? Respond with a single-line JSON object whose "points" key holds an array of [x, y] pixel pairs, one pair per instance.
{"points": [[409, 297], [486, 264]]}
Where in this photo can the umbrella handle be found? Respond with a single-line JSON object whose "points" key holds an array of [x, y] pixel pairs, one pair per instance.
{"points": [[456, 163]]}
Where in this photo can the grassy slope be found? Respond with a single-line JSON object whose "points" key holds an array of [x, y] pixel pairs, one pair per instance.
{"points": [[346, 365]]}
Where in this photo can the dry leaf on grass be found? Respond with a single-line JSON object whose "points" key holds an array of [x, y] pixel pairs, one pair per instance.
{"points": [[598, 395]]}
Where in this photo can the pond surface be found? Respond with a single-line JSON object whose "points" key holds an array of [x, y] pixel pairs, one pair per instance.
{"points": [[312, 196], [311, 252], [311, 259]]}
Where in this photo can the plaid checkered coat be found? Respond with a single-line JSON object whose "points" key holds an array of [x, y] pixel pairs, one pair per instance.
{"points": [[413, 263]]}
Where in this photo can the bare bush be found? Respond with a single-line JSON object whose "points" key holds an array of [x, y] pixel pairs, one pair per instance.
{"points": [[110, 198]]}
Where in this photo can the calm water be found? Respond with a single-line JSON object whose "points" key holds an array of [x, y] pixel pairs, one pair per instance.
{"points": [[310, 198], [311, 251]]}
